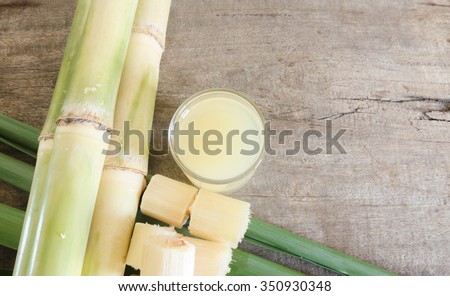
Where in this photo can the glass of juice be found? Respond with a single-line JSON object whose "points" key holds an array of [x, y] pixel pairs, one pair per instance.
{"points": [[217, 138]]}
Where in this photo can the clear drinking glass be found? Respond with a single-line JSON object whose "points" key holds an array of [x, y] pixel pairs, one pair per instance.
{"points": [[217, 138]]}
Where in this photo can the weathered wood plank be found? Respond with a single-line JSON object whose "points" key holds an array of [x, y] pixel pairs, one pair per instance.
{"points": [[380, 70]]}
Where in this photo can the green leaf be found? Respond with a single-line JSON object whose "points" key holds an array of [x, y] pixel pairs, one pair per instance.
{"points": [[11, 220], [19, 133], [265, 234], [16, 172]]}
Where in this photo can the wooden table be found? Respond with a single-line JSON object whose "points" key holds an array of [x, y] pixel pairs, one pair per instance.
{"points": [[378, 69]]}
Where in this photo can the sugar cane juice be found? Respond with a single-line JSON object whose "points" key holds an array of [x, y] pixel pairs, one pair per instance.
{"points": [[217, 138]]}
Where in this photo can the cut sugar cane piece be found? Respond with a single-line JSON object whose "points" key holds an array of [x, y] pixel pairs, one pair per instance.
{"points": [[144, 233], [211, 258], [168, 256], [168, 200], [219, 218]]}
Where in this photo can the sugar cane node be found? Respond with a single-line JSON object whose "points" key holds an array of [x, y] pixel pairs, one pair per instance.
{"points": [[153, 31]]}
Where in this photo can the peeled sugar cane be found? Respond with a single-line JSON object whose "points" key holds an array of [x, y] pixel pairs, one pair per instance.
{"points": [[168, 256], [219, 218], [123, 177], [211, 258], [220, 221], [160, 251], [213, 216], [142, 234], [168, 200], [157, 250]]}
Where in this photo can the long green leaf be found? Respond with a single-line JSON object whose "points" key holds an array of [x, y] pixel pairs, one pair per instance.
{"points": [[18, 147], [247, 264], [11, 220], [16, 172], [19, 133], [280, 239]]}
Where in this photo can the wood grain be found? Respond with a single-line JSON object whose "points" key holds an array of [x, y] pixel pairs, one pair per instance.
{"points": [[379, 69]]}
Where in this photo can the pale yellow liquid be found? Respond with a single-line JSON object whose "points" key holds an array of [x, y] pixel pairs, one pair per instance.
{"points": [[224, 115]]}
